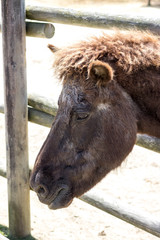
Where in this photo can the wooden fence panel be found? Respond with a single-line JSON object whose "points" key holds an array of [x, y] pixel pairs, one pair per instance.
{"points": [[91, 19], [13, 34], [38, 29], [137, 218]]}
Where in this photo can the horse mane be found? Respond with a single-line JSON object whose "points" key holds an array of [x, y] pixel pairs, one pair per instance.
{"points": [[130, 50]]}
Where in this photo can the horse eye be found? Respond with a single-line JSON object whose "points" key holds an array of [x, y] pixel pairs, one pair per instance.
{"points": [[82, 116], [81, 99]]}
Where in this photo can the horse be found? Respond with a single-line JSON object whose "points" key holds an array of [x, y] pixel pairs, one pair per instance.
{"points": [[111, 92]]}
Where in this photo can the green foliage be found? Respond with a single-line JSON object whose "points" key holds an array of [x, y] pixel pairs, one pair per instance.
{"points": [[5, 232]]}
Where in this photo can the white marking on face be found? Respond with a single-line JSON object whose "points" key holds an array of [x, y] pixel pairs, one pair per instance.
{"points": [[64, 97], [103, 106], [70, 145]]}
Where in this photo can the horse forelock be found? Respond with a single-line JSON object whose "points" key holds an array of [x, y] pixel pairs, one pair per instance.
{"points": [[131, 50]]}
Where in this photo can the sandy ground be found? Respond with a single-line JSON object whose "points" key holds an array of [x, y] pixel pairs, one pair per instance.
{"points": [[136, 182]]}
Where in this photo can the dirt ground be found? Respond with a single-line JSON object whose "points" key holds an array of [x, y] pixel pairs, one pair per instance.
{"points": [[136, 183]]}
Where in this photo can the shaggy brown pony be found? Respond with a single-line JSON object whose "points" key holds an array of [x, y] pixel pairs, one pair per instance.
{"points": [[111, 91]]}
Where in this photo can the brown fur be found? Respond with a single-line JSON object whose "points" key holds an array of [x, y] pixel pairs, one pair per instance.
{"points": [[132, 51], [135, 59], [111, 91]]}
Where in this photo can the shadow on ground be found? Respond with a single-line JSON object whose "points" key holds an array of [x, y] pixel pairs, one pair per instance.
{"points": [[5, 232]]}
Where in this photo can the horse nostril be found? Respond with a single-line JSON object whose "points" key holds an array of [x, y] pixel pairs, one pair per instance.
{"points": [[42, 191]]}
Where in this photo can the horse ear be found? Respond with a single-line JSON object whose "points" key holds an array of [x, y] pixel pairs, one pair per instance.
{"points": [[100, 72], [53, 48]]}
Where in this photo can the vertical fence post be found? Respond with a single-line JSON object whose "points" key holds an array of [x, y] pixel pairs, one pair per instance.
{"points": [[13, 35]]}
